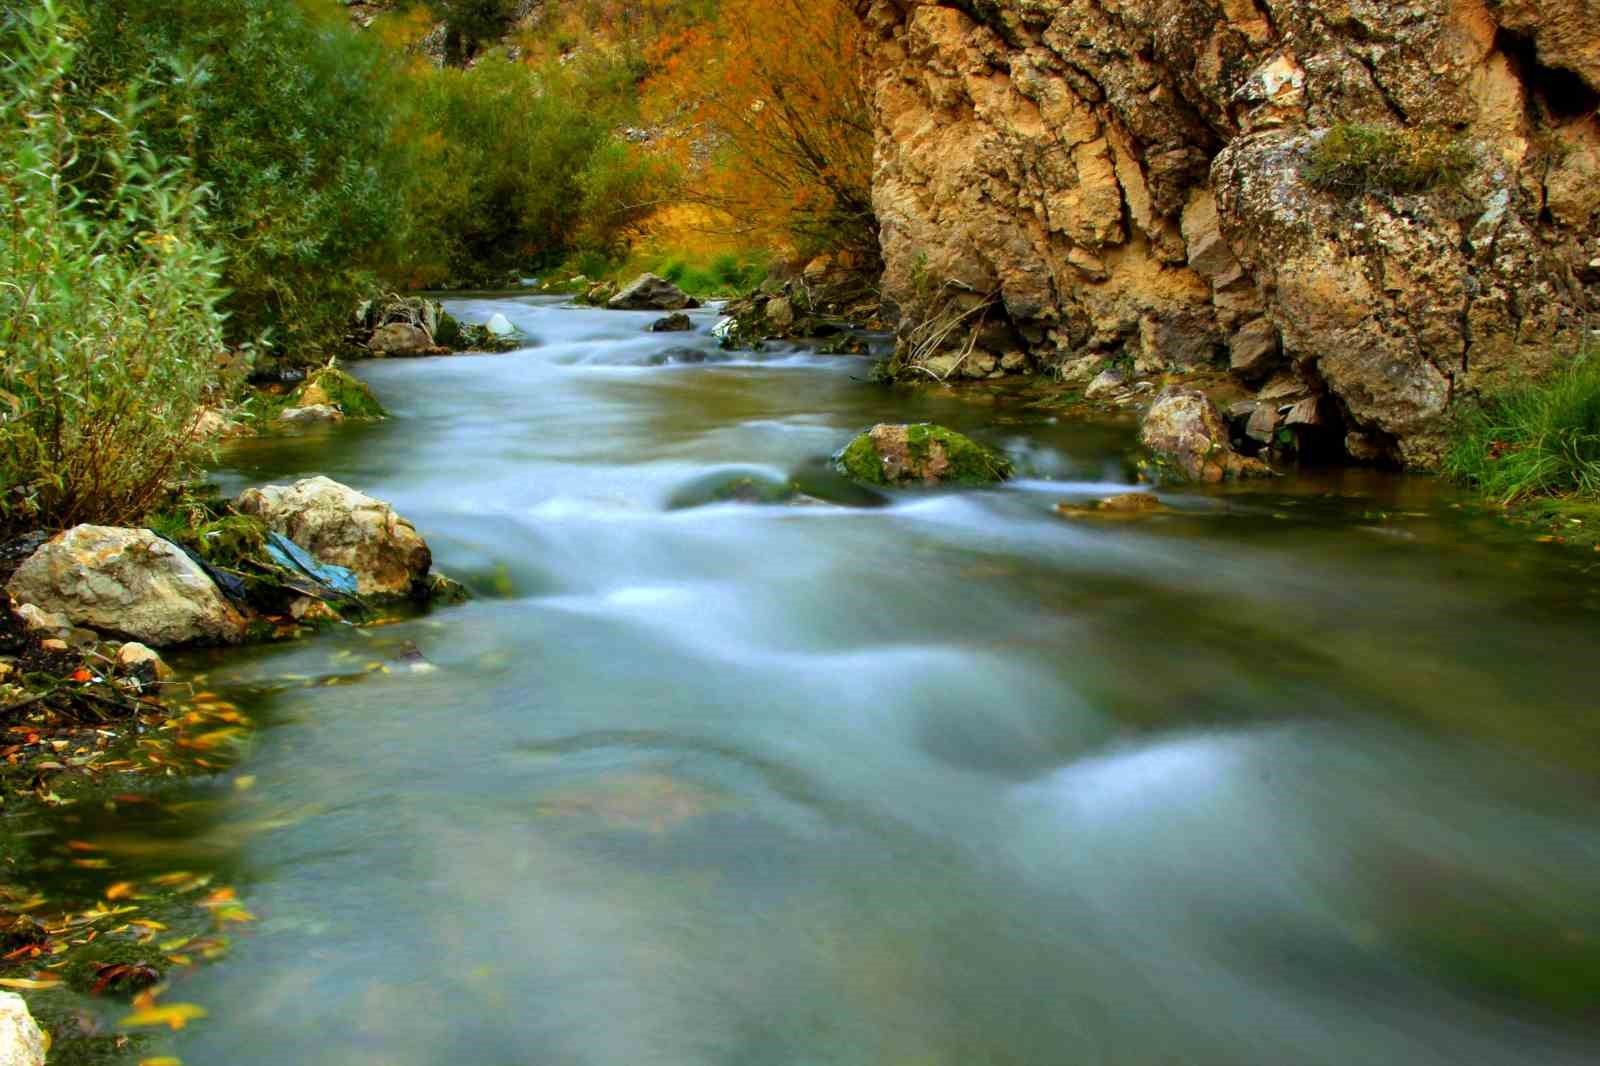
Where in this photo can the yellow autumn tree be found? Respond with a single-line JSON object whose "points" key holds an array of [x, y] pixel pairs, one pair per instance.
{"points": [[773, 91]]}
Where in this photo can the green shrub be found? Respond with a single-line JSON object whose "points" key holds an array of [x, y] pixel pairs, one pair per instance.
{"points": [[533, 170], [109, 328], [1535, 440], [1354, 159], [291, 117]]}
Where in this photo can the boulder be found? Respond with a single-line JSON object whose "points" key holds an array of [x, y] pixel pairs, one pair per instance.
{"points": [[400, 338], [211, 424], [1106, 384], [343, 527], [42, 624], [314, 415], [780, 313], [920, 454], [677, 322], [1186, 433], [599, 294], [130, 583], [648, 292], [21, 1039], [499, 325], [332, 387]]}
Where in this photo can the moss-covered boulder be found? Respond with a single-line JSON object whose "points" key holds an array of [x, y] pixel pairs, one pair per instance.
{"points": [[332, 387], [920, 454]]}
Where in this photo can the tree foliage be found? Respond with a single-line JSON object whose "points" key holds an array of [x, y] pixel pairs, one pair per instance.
{"points": [[776, 87], [109, 328]]}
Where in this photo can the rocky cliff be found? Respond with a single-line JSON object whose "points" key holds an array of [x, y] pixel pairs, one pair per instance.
{"points": [[1138, 178]]}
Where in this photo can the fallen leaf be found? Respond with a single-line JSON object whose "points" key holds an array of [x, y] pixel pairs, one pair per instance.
{"points": [[173, 1015], [29, 985], [120, 890]]}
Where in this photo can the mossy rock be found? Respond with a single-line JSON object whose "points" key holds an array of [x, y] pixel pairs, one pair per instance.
{"points": [[335, 388], [922, 454], [732, 486], [449, 333]]}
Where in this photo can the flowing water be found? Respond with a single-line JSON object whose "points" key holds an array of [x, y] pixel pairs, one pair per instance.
{"points": [[1304, 773]]}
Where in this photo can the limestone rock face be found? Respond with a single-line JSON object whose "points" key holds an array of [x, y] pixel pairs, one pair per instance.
{"points": [[1186, 433], [647, 292], [1129, 178], [127, 582], [21, 1039], [341, 526]]}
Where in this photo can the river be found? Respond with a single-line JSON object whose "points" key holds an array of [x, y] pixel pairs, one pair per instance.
{"points": [[1304, 773]]}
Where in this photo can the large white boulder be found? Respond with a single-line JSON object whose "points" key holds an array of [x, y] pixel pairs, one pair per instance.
{"points": [[127, 582], [21, 1039], [343, 527]]}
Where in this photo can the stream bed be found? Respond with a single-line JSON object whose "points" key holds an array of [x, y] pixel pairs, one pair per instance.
{"points": [[1305, 772]]}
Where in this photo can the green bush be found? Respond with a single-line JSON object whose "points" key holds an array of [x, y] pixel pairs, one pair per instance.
{"points": [[109, 328], [1535, 440], [292, 118], [533, 172], [1354, 159]]}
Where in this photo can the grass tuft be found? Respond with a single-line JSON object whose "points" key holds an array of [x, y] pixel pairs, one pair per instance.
{"points": [[1354, 159], [1536, 440]]}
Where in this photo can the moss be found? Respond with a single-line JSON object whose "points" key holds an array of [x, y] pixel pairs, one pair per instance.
{"points": [[113, 965], [449, 332], [860, 461], [931, 454], [333, 386], [1354, 159]]}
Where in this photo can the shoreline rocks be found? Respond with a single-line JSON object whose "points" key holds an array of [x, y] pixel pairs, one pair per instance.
{"points": [[21, 1040], [128, 583], [343, 527]]}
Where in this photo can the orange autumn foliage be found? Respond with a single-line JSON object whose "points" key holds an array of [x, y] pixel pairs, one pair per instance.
{"points": [[775, 88]]}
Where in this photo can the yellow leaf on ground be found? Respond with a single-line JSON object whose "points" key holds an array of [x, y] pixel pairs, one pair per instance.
{"points": [[28, 985], [175, 1015]]}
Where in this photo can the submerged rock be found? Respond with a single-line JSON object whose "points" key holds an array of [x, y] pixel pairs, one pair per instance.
{"points": [[1124, 505], [648, 292], [1187, 435], [21, 1039], [127, 582], [677, 322], [732, 486], [922, 453], [343, 527]]}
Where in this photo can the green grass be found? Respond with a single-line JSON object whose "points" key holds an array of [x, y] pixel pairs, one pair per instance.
{"points": [[696, 273], [1354, 159], [1536, 440]]}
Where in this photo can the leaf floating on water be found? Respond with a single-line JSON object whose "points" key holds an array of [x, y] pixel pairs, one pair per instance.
{"points": [[120, 890], [173, 1015], [162, 1060]]}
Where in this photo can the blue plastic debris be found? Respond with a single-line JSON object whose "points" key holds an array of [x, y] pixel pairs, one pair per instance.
{"points": [[337, 580]]}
